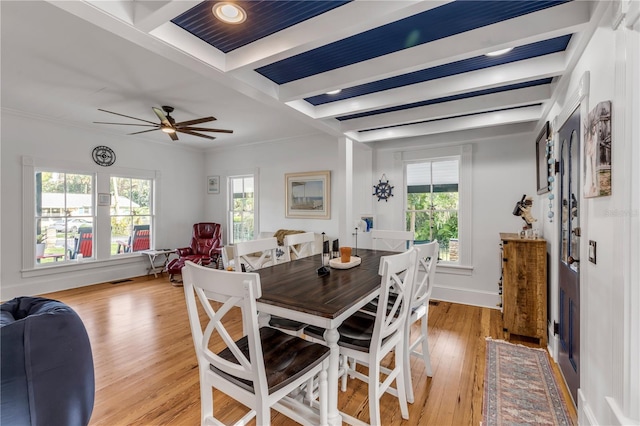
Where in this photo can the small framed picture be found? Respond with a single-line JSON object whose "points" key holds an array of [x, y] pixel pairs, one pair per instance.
{"points": [[104, 199], [213, 184]]}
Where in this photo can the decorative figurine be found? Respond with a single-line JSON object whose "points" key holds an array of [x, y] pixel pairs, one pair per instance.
{"points": [[523, 209]]}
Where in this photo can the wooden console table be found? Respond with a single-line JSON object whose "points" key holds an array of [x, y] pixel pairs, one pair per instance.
{"points": [[524, 286]]}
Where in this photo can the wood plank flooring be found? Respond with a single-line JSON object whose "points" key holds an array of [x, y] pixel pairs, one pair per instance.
{"points": [[147, 374]]}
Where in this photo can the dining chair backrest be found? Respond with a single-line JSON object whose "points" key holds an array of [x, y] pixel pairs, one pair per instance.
{"points": [[392, 240], [256, 366], [299, 245], [231, 289], [391, 315], [425, 272], [255, 254]]}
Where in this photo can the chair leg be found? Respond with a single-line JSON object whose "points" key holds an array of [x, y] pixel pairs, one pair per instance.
{"points": [[323, 394], [263, 414], [406, 355], [374, 393], [425, 347], [206, 400], [400, 383]]}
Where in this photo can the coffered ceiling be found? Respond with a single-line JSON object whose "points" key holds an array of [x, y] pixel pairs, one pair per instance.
{"points": [[403, 68]]}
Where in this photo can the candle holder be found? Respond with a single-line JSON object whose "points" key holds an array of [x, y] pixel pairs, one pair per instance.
{"points": [[323, 270]]}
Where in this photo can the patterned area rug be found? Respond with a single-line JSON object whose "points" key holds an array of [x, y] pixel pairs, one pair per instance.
{"points": [[520, 388]]}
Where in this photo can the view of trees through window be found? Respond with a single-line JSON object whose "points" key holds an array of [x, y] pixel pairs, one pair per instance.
{"points": [[432, 204], [64, 216], [242, 208], [130, 214]]}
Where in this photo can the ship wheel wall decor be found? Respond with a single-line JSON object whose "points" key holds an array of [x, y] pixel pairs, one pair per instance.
{"points": [[383, 190]]}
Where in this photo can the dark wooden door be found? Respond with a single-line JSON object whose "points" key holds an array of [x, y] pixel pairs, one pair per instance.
{"points": [[569, 269]]}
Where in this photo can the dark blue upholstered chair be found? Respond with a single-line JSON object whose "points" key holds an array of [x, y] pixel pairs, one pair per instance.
{"points": [[47, 366]]}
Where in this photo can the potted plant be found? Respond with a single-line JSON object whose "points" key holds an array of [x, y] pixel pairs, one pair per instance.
{"points": [[41, 240]]}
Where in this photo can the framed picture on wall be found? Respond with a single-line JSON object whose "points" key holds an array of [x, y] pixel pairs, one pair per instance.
{"points": [[307, 195], [213, 184], [542, 159]]}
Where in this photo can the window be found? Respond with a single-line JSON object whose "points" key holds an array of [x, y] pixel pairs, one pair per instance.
{"points": [[131, 214], [432, 210], [242, 208], [64, 216]]}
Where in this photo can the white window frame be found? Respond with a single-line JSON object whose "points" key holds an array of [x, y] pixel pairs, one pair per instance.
{"points": [[256, 200], [465, 208], [102, 218], [151, 208]]}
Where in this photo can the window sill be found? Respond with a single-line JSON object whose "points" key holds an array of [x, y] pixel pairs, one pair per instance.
{"points": [[451, 269], [86, 264]]}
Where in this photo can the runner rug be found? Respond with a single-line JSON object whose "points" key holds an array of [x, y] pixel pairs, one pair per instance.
{"points": [[520, 387]]}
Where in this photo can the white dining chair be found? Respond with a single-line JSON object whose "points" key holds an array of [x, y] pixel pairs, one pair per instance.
{"points": [[255, 254], [227, 257], [366, 339], [392, 240], [423, 285], [260, 369], [297, 246]]}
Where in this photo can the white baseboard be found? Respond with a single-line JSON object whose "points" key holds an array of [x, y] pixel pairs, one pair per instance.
{"points": [[619, 418], [466, 297], [93, 274], [585, 414]]}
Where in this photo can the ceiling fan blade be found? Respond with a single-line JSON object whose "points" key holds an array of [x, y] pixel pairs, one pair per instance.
{"points": [[127, 116], [195, 133], [173, 136], [162, 117], [127, 124], [204, 129], [143, 131], [197, 121]]}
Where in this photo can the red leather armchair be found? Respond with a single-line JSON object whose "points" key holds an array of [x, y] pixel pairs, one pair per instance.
{"points": [[205, 248]]}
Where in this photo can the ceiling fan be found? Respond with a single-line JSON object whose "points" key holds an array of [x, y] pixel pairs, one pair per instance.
{"points": [[168, 124]]}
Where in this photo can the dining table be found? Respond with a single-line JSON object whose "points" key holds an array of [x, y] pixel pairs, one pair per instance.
{"points": [[297, 291]]}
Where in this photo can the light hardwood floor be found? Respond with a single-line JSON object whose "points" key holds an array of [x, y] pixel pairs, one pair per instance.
{"points": [[146, 370]]}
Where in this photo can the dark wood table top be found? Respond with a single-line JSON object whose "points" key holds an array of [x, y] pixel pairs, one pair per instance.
{"points": [[296, 285]]}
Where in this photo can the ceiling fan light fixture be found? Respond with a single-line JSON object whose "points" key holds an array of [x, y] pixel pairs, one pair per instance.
{"points": [[500, 52], [229, 13], [167, 129]]}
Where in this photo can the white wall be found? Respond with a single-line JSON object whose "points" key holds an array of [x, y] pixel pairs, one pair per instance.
{"points": [[609, 338], [272, 161], [179, 198], [503, 168]]}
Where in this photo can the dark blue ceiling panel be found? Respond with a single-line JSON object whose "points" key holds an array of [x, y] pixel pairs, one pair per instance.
{"points": [[532, 50], [444, 21], [264, 17], [447, 99], [447, 118]]}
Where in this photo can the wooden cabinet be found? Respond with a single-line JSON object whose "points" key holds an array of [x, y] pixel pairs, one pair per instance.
{"points": [[524, 286]]}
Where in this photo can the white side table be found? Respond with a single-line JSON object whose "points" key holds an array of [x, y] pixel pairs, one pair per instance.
{"points": [[153, 255]]}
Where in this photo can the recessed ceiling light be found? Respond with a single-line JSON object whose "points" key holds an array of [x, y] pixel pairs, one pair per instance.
{"points": [[500, 52], [229, 12], [334, 92]]}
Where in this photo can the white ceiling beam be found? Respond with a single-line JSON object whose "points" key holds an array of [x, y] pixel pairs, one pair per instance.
{"points": [[548, 23], [489, 119], [180, 39], [512, 73], [344, 21], [507, 99], [149, 15]]}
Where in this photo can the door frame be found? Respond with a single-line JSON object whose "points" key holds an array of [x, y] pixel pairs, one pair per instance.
{"points": [[579, 98]]}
